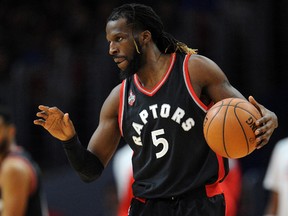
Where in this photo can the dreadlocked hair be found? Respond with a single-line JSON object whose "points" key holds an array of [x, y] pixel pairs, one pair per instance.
{"points": [[143, 18]]}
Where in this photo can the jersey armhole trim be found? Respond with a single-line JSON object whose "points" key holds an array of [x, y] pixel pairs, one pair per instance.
{"points": [[190, 87], [121, 106], [221, 170], [215, 188]]}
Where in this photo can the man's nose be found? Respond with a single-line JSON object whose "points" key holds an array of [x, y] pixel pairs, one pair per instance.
{"points": [[112, 49]]}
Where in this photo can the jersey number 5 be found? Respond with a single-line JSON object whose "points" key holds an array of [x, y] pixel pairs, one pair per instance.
{"points": [[160, 140]]}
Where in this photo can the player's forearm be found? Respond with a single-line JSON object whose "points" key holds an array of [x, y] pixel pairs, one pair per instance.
{"points": [[271, 209], [87, 165]]}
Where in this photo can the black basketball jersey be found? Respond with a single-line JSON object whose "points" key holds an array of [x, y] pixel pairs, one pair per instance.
{"points": [[164, 127], [36, 205]]}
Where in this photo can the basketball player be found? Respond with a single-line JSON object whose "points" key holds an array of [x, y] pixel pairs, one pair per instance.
{"points": [[159, 109], [20, 182]]}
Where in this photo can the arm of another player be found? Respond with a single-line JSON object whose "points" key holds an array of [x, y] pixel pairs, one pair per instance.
{"points": [[210, 83], [272, 204], [89, 163], [16, 186]]}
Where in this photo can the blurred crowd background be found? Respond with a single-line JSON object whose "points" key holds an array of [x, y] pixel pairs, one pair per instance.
{"points": [[55, 53]]}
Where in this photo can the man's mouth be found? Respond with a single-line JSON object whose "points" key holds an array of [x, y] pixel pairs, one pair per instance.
{"points": [[119, 60]]}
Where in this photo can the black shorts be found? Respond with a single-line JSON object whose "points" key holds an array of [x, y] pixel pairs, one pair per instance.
{"points": [[188, 205]]}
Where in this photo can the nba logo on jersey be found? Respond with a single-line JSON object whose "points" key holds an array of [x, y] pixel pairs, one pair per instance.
{"points": [[131, 98]]}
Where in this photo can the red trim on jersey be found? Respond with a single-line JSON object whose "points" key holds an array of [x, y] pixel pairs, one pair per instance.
{"points": [[32, 173], [221, 170], [213, 189], [151, 92], [121, 104], [232, 188], [210, 105], [190, 87]]}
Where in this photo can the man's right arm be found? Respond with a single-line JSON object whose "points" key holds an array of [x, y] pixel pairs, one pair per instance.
{"points": [[89, 163]]}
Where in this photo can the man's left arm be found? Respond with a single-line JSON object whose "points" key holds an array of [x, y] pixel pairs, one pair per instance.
{"points": [[16, 186]]}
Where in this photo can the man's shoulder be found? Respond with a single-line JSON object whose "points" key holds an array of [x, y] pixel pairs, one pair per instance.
{"points": [[15, 165], [199, 59]]}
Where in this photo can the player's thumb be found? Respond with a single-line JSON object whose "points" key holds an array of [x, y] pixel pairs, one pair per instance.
{"points": [[251, 99], [66, 119], [255, 103]]}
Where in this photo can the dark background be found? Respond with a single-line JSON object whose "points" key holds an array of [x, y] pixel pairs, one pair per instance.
{"points": [[55, 53]]}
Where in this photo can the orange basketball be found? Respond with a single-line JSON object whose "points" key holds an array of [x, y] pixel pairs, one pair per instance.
{"points": [[229, 127]]}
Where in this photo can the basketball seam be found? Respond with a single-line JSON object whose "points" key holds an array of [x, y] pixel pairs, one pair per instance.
{"points": [[243, 131], [223, 129], [207, 129], [247, 141], [246, 110]]}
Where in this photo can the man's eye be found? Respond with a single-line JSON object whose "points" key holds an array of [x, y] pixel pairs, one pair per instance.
{"points": [[119, 39]]}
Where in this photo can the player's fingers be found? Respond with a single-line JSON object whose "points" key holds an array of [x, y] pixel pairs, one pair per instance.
{"points": [[264, 136], [55, 110], [42, 114], [48, 109], [43, 108], [263, 121], [261, 145], [265, 129], [267, 122], [263, 141], [39, 122]]}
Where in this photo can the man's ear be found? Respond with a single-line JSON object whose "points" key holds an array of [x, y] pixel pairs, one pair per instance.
{"points": [[145, 37]]}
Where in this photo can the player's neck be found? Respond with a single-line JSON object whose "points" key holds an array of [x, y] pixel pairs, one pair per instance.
{"points": [[154, 69], [4, 152]]}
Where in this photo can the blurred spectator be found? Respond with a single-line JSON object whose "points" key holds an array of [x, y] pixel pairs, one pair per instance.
{"points": [[21, 186], [276, 180]]}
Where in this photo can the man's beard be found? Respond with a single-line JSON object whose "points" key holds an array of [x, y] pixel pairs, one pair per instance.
{"points": [[133, 65]]}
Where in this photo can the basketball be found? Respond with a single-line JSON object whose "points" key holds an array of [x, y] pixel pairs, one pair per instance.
{"points": [[229, 127]]}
